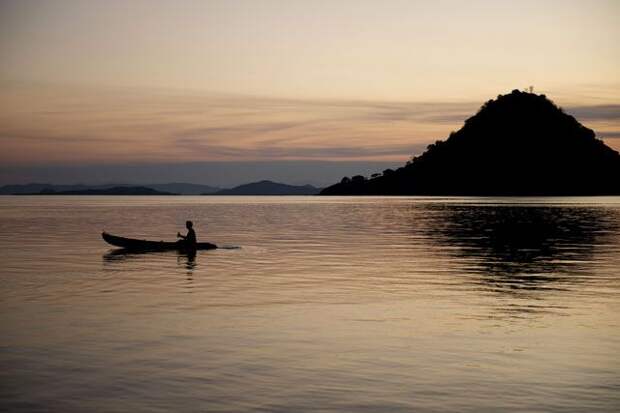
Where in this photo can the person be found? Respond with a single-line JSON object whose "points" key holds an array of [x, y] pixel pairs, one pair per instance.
{"points": [[190, 238]]}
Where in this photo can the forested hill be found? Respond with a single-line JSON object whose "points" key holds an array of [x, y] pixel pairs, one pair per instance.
{"points": [[518, 144]]}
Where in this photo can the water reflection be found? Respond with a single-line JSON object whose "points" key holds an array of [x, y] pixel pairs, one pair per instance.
{"points": [[515, 249], [185, 259], [188, 260], [398, 304]]}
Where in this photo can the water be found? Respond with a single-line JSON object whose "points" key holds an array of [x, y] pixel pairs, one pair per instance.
{"points": [[329, 305]]}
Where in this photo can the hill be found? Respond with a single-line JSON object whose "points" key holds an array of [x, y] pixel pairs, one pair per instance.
{"points": [[117, 190], [183, 188], [269, 188], [174, 187], [518, 144], [33, 188]]}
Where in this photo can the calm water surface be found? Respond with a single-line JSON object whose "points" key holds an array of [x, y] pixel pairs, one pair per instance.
{"points": [[329, 305]]}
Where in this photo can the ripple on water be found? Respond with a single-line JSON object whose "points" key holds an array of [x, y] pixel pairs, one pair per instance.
{"points": [[332, 304]]}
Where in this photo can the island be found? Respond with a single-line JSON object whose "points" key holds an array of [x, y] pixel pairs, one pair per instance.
{"points": [[518, 144], [268, 188], [175, 188], [117, 190]]}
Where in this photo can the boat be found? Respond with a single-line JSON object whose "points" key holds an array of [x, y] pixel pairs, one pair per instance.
{"points": [[146, 245]]}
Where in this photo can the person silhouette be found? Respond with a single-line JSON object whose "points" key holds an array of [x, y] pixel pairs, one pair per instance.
{"points": [[190, 238]]}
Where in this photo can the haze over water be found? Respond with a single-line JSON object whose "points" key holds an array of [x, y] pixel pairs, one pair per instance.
{"points": [[329, 304]]}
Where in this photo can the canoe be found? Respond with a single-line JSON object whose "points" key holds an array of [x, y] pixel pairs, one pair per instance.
{"points": [[145, 245]]}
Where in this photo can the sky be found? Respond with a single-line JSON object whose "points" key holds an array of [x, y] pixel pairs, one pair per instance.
{"points": [[111, 85]]}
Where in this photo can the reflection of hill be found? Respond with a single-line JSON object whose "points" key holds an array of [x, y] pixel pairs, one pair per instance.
{"points": [[518, 144], [517, 248]]}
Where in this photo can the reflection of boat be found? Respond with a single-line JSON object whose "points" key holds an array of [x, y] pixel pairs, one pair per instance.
{"points": [[145, 245], [123, 254]]}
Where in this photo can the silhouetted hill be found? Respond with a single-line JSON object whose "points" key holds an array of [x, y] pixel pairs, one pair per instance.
{"points": [[517, 144], [117, 190], [183, 188], [174, 187], [35, 188], [269, 188]]}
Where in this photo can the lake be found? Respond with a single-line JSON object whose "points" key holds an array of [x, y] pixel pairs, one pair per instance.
{"points": [[316, 304]]}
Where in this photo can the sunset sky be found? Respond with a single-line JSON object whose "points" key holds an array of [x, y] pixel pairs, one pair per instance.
{"points": [[109, 84]]}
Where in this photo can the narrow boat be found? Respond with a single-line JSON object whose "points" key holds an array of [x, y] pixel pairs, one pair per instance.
{"points": [[145, 245]]}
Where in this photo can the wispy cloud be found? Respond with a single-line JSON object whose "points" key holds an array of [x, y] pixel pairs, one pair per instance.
{"points": [[298, 152], [614, 134], [81, 126], [595, 112]]}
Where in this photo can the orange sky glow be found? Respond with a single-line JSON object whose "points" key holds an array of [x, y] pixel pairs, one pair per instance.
{"points": [[151, 81]]}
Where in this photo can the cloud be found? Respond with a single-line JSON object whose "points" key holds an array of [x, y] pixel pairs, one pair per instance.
{"points": [[46, 138], [595, 112], [319, 173], [614, 134], [299, 152], [85, 126]]}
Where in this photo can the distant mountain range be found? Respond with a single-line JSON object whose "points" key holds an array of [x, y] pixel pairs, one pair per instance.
{"points": [[255, 188], [116, 190], [518, 144], [269, 188], [172, 188], [183, 188]]}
